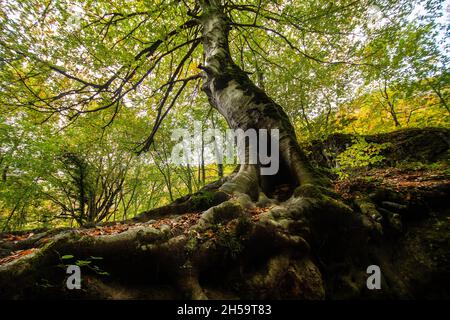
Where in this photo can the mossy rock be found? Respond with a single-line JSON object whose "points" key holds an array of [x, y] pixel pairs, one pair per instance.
{"points": [[425, 145]]}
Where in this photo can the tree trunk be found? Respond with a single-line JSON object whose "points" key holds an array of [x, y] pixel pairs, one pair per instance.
{"points": [[245, 106], [394, 114]]}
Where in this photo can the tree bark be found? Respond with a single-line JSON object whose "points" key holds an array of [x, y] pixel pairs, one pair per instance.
{"points": [[245, 106]]}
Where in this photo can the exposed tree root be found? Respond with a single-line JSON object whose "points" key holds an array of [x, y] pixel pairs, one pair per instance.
{"points": [[315, 245]]}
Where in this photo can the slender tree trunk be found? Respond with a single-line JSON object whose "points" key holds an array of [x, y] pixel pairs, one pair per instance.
{"points": [[394, 114], [219, 163], [5, 173], [189, 178], [440, 96], [202, 164], [391, 106]]}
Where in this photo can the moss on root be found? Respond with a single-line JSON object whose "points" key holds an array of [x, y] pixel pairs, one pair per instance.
{"points": [[314, 245]]}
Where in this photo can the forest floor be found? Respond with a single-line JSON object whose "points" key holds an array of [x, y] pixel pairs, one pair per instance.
{"points": [[413, 185]]}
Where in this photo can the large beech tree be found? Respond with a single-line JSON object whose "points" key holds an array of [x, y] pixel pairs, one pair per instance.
{"points": [[97, 57], [105, 56]]}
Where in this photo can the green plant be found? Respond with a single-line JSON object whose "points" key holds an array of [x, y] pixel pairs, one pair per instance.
{"points": [[82, 263], [361, 154]]}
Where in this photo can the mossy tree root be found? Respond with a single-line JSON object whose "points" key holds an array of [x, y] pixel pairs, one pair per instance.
{"points": [[261, 252]]}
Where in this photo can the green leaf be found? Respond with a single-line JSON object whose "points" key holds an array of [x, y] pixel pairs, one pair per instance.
{"points": [[81, 263]]}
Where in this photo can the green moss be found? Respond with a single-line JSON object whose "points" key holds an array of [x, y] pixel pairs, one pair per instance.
{"points": [[308, 190], [192, 244], [336, 205], [224, 212], [230, 242], [201, 200]]}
